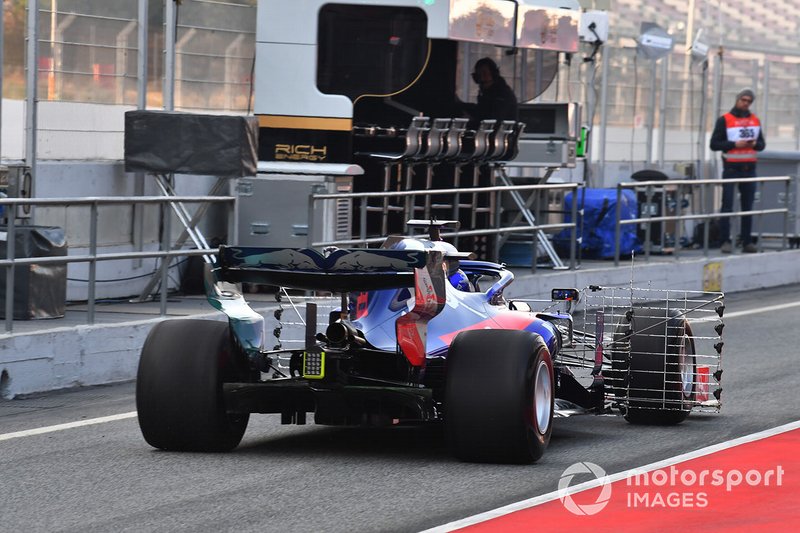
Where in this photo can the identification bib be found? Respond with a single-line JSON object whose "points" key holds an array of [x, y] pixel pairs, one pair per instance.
{"points": [[743, 133]]}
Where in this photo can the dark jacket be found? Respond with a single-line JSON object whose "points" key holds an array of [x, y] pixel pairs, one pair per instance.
{"points": [[719, 137], [497, 102]]}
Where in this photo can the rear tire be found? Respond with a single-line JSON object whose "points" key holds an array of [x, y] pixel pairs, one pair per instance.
{"points": [[656, 383], [179, 387], [499, 396]]}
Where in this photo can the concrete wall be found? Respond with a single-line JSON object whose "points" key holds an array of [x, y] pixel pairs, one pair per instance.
{"points": [[13, 130], [116, 224], [740, 272], [69, 357]]}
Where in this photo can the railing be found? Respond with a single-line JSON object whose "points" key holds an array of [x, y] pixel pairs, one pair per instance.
{"points": [[495, 193], [705, 201], [364, 238], [93, 257]]}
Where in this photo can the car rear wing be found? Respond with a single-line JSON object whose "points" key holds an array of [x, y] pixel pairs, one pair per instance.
{"points": [[308, 269], [343, 271]]}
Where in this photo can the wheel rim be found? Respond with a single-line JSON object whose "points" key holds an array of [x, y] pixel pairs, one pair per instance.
{"points": [[686, 370], [542, 398]]}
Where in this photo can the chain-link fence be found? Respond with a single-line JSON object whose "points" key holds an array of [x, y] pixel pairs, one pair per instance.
{"points": [[88, 55], [656, 112], [88, 52], [663, 112], [214, 51]]}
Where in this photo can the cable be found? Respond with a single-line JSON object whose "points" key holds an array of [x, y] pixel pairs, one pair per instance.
{"points": [[701, 126], [691, 107], [635, 95], [173, 279], [415, 80], [127, 279], [568, 61], [252, 77]]}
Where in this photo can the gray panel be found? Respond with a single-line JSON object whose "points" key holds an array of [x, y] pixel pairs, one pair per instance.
{"points": [[773, 196], [272, 210], [555, 153]]}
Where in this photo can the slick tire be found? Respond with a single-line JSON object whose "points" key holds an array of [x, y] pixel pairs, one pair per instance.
{"points": [[179, 387], [499, 396], [655, 381]]}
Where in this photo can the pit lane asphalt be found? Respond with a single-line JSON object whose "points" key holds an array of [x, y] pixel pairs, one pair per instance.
{"points": [[288, 478]]}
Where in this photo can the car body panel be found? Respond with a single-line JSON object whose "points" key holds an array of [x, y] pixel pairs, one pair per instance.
{"points": [[378, 311]]}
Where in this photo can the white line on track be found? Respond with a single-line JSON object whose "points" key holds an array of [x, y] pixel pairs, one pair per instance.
{"points": [[69, 425], [550, 496], [762, 310]]}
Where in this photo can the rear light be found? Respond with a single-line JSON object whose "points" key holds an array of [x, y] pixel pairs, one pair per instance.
{"points": [[313, 365]]}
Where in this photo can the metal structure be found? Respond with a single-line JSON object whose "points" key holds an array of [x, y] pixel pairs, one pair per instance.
{"points": [[219, 37], [685, 102], [168, 248], [362, 207], [609, 319], [700, 187], [93, 256]]}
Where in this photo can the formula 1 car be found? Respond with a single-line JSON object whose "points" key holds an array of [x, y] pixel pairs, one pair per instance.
{"points": [[423, 334]]}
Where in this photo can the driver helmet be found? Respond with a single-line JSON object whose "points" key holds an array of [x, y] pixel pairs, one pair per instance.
{"points": [[410, 244], [460, 281], [452, 256]]}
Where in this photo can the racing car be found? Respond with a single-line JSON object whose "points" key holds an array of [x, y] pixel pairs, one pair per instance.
{"points": [[422, 334]]}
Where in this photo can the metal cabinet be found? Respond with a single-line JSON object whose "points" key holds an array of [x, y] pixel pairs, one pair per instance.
{"points": [[774, 195], [273, 208]]}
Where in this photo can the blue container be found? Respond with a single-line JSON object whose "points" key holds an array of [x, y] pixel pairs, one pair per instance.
{"points": [[600, 209]]}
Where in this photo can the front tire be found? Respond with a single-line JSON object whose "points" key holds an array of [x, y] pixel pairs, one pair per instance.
{"points": [[499, 396], [179, 396], [656, 380]]}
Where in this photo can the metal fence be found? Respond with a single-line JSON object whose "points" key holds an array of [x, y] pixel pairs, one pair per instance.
{"points": [[214, 54], [702, 189], [406, 202], [701, 208], [165, 252], [88, 55], [662, 113], [363, 202]]}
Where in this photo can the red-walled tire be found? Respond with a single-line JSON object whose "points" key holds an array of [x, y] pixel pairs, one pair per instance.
{"points": [[499, 396]]}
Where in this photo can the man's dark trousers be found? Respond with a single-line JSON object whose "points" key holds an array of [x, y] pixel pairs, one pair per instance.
{"points": [[748, 195]]}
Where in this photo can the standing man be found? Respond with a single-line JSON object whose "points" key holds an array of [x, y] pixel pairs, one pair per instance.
{"points": [[737, 134], [496, 101]]}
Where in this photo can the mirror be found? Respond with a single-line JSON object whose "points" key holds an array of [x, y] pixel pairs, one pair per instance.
{"points": [[520, 306]]}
